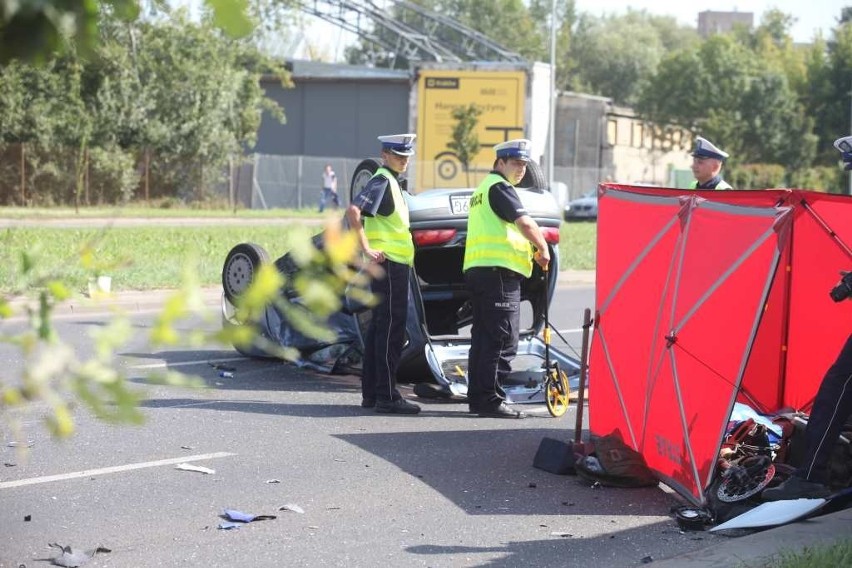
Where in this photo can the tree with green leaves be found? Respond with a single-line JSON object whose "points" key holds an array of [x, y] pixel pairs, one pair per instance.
{"points": [[755, 93], [67, 81], [541, 12], [614, 55], [35, 31], [829, 77], [465, 138], [181, 91]]}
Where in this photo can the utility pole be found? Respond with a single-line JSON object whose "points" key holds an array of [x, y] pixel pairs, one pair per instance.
{"points": [[550, 135]]}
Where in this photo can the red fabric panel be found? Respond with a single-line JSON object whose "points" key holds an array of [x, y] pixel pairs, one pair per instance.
{"points": [[818, 327], [713, 344], [619, 381], [676, 286], [652, 371], [761, 387]]}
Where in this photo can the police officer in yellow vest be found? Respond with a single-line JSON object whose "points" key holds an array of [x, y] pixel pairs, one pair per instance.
{"points": [[385, 238], [498, 257], [707, 162]]}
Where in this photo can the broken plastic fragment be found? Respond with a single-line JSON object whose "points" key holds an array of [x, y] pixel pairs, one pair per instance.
{"points": [[73, 557], [198, 468], [239, 516], [228, 526], [292, 507]]}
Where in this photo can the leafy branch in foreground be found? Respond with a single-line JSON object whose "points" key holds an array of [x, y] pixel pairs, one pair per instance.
{"points": [[55, 376]]}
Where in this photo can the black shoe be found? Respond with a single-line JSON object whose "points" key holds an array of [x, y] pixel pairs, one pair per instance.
{"points": [[398, 406], [368, 403], [502, 411], [796, 488]]}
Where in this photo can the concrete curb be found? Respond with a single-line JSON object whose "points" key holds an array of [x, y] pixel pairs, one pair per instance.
{"points": [[759, 548], [126, 301], [577, 277]]}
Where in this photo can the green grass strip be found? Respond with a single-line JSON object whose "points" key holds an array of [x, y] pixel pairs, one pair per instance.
{"points": [[142, 258]]}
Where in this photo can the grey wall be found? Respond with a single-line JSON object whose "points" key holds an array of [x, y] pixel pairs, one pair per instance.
{"points": [[580, 132], [339, 117]]}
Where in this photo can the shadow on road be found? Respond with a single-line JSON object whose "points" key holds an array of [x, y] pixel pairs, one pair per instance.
{"points": [[488, 471]]}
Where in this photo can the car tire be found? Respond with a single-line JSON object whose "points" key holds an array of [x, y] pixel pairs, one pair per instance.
{"points": [[534, 177], [241, 265], [363, 172]]}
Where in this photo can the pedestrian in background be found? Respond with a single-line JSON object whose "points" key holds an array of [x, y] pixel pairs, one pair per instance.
{"points": [[379, 214], [707, 162], [498, 256], [329, 188]]}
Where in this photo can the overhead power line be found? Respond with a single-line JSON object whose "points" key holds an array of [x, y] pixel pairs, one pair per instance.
{"points": [[410, 31]]}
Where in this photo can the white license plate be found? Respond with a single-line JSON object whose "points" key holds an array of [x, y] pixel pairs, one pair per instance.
{"points": [[460, 204]]}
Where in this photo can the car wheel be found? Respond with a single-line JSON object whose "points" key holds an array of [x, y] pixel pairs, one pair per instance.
{"points": [[533, 178], [363, 172], [241, 265]]}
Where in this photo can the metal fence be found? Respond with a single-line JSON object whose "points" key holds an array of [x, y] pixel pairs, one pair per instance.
{"points": [[295, 182]]}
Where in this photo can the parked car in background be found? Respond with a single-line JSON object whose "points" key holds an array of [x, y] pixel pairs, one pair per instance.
{"points": [[584, 208]]}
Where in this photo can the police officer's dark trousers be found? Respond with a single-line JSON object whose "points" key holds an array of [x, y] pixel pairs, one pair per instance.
{"points": [[832, 408], [496, 297], [386, 333]]}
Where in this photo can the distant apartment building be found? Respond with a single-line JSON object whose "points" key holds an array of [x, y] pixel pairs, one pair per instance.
{"points": [[711, 22]]}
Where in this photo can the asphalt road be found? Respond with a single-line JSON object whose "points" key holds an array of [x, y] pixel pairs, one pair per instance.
{"points": [[443, 488]]}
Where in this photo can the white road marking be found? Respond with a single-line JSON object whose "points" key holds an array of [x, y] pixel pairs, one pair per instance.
{"points": [[107, 470], [185, 363]]}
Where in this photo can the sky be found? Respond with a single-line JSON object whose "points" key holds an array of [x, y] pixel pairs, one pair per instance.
{"points": [[811, 15]]}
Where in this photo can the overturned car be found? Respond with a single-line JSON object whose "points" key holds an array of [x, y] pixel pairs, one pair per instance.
{"points": [[438, 325]]}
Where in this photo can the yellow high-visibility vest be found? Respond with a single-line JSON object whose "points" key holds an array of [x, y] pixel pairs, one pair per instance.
{"points": [[390, 234], [491, 241]]}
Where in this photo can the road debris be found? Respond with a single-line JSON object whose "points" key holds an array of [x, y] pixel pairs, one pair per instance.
{"points": [[197, 468], [235, 519], [73, 557], [292, 507]]}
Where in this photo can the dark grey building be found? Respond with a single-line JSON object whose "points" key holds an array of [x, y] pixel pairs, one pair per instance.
{"points": [[580, 131], [334, 110]]}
